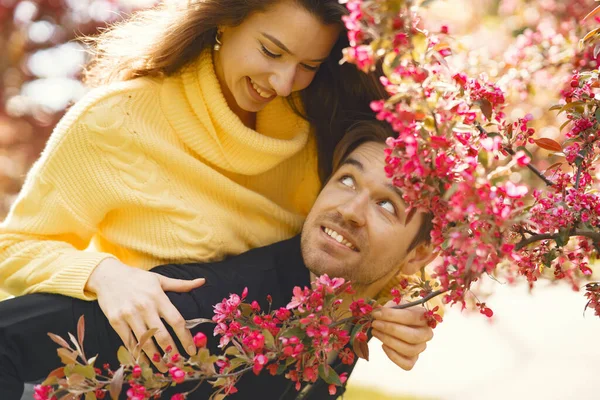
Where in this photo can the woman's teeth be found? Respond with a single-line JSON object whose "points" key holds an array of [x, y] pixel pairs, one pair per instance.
{"points": [[262, 93], [339, 238]]}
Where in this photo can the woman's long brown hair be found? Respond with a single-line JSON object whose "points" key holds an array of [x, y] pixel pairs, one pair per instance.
{"points": [[161, 40]]}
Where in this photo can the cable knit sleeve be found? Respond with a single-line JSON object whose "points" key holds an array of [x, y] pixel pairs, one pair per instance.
{"points": [[65, 197]]}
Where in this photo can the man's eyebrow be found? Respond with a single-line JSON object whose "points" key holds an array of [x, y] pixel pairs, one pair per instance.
{"points": [[359, 166], [283, 47], [353, 161], [395, 189]]}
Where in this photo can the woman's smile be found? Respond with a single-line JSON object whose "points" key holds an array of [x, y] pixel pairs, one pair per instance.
{"points": [[259, 93]]}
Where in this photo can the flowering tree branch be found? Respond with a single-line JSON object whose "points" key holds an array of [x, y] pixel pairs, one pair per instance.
{"points": [[510, 151], [595, 236]]}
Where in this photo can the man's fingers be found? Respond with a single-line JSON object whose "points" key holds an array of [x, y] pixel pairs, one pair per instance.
{"points": [[409, 316], [176, 321], [406, 363], [403, 348], [179, 285], [409, 334]]}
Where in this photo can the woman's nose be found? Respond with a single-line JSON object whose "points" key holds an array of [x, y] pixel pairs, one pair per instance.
{"points": [[282, 81]]}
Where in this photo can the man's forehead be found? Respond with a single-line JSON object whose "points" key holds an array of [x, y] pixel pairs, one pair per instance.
{"points": [[367, 157]]}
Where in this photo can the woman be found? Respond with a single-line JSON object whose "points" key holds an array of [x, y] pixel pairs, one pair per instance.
{"points": [[205, 137]]}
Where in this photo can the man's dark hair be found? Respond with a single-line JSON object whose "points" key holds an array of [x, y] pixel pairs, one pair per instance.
{"points": [[376, 131]]}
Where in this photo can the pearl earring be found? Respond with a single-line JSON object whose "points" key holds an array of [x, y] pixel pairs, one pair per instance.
{"points": [[218, 43]]}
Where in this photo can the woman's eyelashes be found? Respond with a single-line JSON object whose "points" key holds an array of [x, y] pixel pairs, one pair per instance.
{"points": [[270, 54]]}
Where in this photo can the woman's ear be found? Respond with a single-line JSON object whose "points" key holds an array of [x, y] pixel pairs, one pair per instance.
{"points": [[418, 258]]}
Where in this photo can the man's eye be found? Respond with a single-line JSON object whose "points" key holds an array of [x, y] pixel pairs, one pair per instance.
{"points": [[388, 206], [347, 181]]}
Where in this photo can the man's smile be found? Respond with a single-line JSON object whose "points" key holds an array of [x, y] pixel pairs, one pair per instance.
{"points": [[342, 239]]}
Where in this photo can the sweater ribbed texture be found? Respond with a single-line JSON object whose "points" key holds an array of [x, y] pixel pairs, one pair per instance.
{"points": [[153, 171]]}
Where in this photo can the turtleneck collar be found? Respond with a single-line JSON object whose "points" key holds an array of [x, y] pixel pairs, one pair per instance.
{"points": [[214, 132]]}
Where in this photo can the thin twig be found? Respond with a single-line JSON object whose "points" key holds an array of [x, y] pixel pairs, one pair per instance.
{"points": [[510, 151], [595, 236], [420, 301]]}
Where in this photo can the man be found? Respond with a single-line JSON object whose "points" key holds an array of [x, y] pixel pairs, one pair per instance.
{"points": [[356, 230]]}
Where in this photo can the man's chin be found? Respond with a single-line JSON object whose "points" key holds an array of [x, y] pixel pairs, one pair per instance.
{"points": [[333, 269]]}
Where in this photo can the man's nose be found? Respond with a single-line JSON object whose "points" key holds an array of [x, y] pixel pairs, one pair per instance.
{"points": [[282, 81], [354, 210]]}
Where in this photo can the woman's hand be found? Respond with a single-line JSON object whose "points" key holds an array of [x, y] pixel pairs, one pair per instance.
{"points": [[134, 301], [404, 333]]}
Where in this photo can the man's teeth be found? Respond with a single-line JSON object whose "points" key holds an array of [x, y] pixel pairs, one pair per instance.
{"points": [[261, 92], [339, 238]]}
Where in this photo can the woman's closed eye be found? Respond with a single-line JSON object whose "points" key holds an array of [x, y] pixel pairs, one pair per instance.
{"points": [[268, 53]]}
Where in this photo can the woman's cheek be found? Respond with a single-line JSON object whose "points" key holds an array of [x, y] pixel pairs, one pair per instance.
{"points": [[304, 79]]}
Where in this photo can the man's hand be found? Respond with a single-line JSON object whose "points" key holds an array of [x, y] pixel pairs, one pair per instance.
{"points": [[134, 301], [404, 333]]}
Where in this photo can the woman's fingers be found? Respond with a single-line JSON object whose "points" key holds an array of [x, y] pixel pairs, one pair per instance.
{"points": [[179, 285], [139, 327], [177, 322]]}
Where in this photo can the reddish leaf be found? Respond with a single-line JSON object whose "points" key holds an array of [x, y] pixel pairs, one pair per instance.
{"points": [[410, 216], [75, 379], [54, 376], [555, 165], [59, 341], [116, 385], [548, 144], [591, 13], [361, 349], [145, 337], [58, 372], [81, 330], [486, 108]]}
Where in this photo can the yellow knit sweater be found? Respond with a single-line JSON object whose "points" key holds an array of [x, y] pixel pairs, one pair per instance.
{"points": [[152, 171]]}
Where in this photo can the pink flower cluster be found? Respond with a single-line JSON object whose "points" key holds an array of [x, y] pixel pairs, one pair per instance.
{"points": [[455, 151]]}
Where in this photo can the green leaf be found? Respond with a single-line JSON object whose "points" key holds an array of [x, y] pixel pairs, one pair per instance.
{"points": [[577, 105], [90, 396], [299, 333], [67, 356], [329, 375], [269, 339], [85, 370], [124, 356], [597, 114], [357, 328], [232, 351]]}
